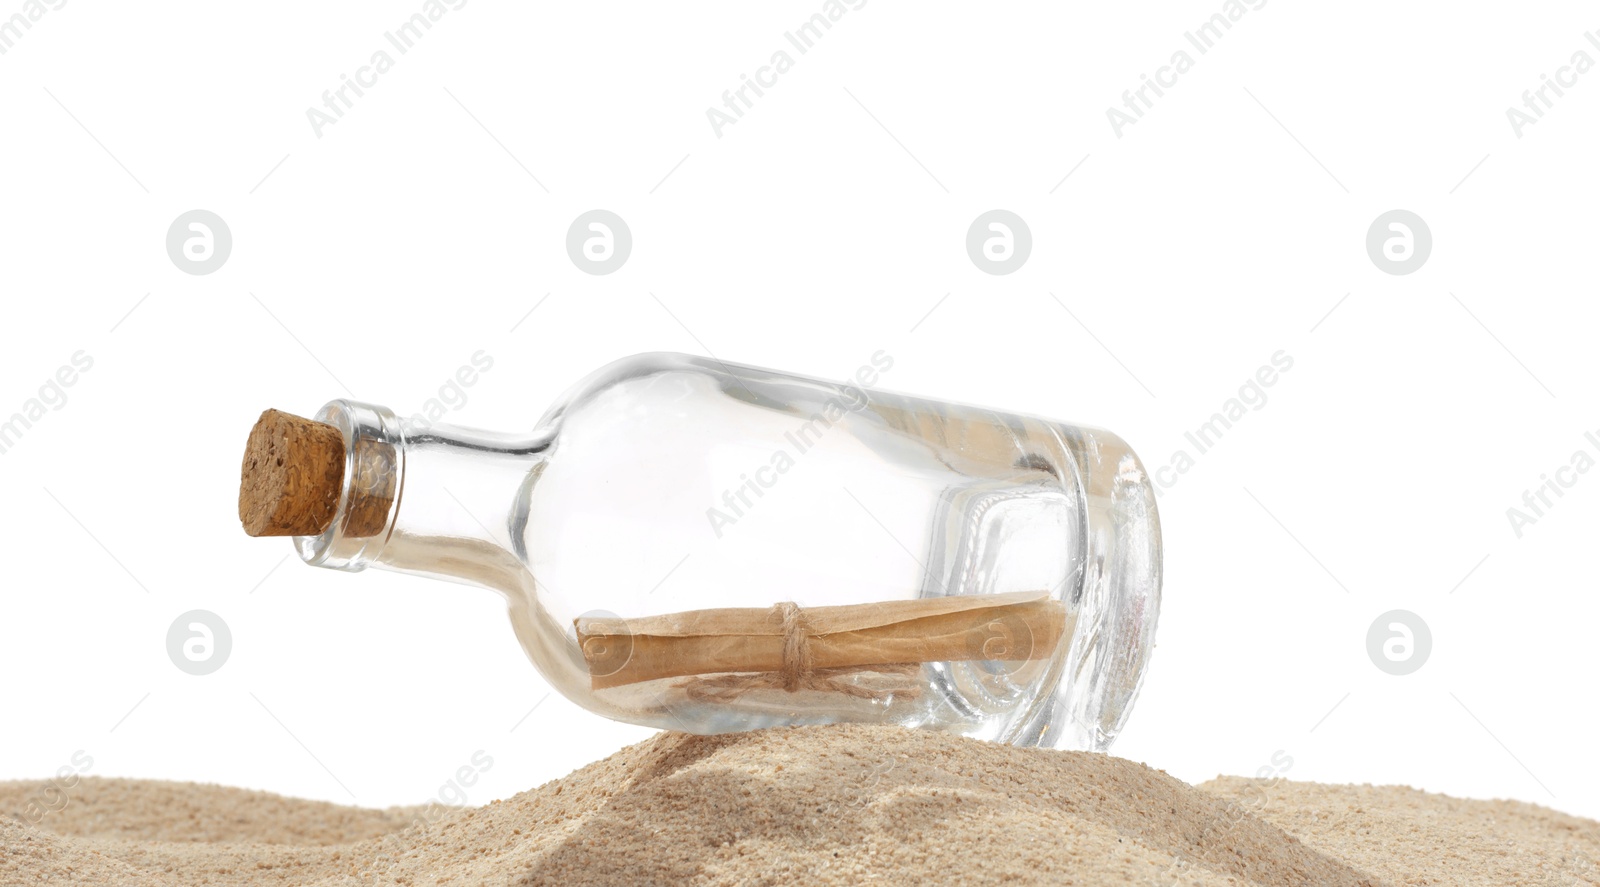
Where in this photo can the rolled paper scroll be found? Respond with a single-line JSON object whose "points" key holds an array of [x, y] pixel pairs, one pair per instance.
{"points": [[1011, 627]]}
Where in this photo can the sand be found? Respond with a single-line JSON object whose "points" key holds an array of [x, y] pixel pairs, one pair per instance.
{"points": [[820, 805]]}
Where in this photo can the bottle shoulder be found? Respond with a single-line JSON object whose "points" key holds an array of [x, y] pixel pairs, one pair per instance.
{"points": [[626, 371]]}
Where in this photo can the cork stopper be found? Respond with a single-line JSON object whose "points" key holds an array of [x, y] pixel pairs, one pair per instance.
{"points": [[292, 473]]}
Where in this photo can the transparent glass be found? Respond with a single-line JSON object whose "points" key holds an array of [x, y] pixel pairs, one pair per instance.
{"points": [[667, 484]]}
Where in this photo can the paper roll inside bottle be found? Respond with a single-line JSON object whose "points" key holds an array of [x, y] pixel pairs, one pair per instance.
{"points": [[1011, 627]]}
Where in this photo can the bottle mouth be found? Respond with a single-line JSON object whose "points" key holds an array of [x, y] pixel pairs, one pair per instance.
{"points": [[370, 491]]}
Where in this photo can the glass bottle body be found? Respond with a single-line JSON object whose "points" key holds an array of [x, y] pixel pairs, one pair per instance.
{"points": [[665, 485]]}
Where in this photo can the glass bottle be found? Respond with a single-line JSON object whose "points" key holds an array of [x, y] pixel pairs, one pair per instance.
{"points": [[708, 547]]}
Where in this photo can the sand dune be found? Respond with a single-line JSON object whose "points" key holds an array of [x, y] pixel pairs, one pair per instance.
{"points": [[814, 805]]}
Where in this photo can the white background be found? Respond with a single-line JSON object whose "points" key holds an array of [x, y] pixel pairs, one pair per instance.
{"points": [[828, 223]]}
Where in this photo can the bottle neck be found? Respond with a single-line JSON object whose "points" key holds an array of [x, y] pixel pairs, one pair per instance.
{"points": [[425, 498]]}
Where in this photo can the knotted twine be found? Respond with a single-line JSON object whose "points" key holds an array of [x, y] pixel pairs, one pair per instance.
{"points": [[798, 673]]}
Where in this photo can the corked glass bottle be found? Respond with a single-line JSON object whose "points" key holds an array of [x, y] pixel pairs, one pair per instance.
{"points": [[708, 547]]}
